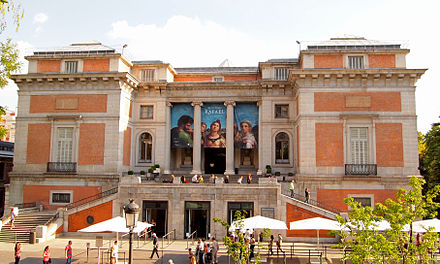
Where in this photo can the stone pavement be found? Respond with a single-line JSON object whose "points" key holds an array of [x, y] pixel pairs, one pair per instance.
{"points": [[177, 251]]}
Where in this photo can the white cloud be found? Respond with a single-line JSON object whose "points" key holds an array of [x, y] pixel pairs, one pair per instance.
{"points": [[39, 20], [185, 41]]}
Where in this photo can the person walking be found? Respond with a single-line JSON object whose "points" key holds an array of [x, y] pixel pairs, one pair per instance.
{"points": [[17, 253], [292, 188], [270, 245], [215, 249], [280, 243], [307, 194], [114, 253], [68, 252], [155, 246], [12, 218], [252, 247], [46, 255]]}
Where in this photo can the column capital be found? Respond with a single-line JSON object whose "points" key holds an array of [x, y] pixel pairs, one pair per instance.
{"points": [[199, 103], [259, 102], [169, 104], [227, 103]]}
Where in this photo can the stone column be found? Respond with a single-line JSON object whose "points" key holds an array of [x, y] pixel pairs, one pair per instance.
{"points": [[230, 137], [197, 138], [167, 138], [261, 167]]}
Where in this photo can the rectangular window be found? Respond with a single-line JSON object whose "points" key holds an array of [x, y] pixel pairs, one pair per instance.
{"points": [[364, 201], [359, 145], [355, 62], [282, 111], [64, 144], [60, 197], [281, 74], [148, 75], [218, 79], [146, 112], [246, 209], [71, 66], [268, 212]]}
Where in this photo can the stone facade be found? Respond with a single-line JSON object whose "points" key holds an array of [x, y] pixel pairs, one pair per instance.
{"points": [[340, 118]]}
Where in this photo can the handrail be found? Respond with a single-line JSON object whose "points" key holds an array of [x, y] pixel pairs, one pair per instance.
{"points": [[192, 239], [313, 202], [93, 198], [167, 235], [53, 218]]}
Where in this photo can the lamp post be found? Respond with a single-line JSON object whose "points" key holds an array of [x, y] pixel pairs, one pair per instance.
{"points": [[131, 216]]}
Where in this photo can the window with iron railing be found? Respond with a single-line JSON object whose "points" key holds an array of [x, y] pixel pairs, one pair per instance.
{"points": [[148, 75], [71, 66], [281, 74], [355, 62]]}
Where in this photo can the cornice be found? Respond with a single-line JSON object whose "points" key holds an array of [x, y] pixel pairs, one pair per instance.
{"points": [[352, 74], [29, 78]]}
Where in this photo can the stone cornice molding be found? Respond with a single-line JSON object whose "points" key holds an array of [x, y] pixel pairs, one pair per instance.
{"points": [[123, 77], [356, 74]]}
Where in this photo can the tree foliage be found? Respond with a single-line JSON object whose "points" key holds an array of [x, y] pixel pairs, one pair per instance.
{"points": [[238, 249], [368, 245], [3, 130]]}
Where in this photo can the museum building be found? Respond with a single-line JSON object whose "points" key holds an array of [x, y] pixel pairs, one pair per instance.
{"points": [[340, 119]]}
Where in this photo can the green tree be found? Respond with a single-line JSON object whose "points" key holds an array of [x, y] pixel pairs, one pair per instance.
{"points": [[238, 249], [3, 130], [391, 246]]}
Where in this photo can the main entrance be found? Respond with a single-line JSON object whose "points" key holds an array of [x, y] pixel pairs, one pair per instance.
{"points": [[215, 160], [156, 212], [197, 215]]}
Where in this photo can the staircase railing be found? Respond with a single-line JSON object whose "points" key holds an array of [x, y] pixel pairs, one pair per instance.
{"points": [[313, 202], [93, 198]]}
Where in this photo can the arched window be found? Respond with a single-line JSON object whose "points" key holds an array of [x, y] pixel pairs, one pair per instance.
{"points": [[282, 148], [146, 147]]}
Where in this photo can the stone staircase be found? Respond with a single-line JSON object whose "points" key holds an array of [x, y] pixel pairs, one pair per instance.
{"points": [[23, 225]]}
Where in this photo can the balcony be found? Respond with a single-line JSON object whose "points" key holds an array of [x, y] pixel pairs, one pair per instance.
{"points": [[64, 167], [360, 169]]}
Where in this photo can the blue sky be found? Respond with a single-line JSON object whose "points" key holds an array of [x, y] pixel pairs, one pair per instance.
{"points": [[204, 32]]}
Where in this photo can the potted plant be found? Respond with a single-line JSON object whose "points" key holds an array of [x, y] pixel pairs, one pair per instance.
{"points": [[156, 168], [290, 174], [130, 172], [268, 170], [277, 173], [142, 172]]}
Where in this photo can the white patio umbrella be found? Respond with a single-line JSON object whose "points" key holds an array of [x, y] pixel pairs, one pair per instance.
{"points": [[258, 222], [381, 225], [116, 224], [423, 225], [315, 223]]}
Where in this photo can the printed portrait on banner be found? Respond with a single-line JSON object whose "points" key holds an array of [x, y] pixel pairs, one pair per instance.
{"points": [[213, 125], [246, 126], [182, 123]]}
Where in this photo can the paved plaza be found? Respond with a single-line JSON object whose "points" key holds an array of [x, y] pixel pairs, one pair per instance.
{"points": [[177, 251]]}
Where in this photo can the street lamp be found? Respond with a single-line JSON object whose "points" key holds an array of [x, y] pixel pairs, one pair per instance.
{"points": [[131, 216]]}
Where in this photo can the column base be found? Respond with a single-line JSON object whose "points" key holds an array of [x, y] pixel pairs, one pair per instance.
{"points": [[259, 172], [229, 172], [166, 172], [195, 172]]}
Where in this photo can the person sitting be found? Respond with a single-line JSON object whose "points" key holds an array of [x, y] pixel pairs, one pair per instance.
{"points": [[212, 179], [195, 179], [227, 179], [182, 179]]}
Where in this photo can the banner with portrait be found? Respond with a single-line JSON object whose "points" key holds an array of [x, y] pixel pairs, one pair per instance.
{"points": [[246, 126], [213, 125], [182, 125]]}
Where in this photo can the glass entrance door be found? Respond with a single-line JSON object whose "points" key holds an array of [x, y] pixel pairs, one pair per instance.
{"points": [[156, 212], [197, 216]]}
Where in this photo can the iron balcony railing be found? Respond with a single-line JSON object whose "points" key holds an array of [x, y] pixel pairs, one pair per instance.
{"points": [[360, 169], [61, 167]]}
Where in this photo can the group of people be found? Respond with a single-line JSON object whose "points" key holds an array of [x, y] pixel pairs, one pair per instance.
{"points": [[212, 179], [292, 192], [205, 253], [46, 253]]}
